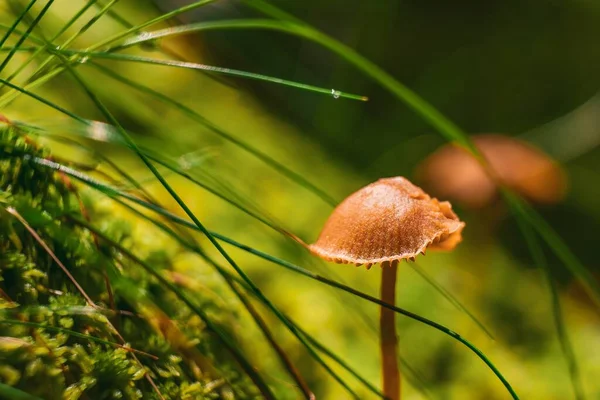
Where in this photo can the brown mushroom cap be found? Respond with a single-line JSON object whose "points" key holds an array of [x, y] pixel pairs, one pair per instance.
{"points": [[453, 173], [387, 221]]}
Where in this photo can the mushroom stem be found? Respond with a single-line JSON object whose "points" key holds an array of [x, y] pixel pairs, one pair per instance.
{"points": [[387, 326]]}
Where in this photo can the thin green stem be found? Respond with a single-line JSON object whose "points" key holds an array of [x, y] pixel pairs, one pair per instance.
{"points": [[129, 141], [69, 332], [557, 314], [43, 101], [448, 296], [16, 23], [153, 21], [45, 46], [523, 210], [194, 115], [11, 393], [428, 112], [23, 37], [115, 193], [232, 278], [447, 128], [10, 96], [231, 347], [217, 70]]}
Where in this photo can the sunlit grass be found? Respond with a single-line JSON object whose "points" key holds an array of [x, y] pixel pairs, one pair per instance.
{"points": [[77, 68]]}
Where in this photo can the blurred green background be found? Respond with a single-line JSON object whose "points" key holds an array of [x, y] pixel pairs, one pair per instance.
{"points": [[525, 69]]}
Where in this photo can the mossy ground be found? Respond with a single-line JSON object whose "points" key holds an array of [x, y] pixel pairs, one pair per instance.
{"points": [[54, 343]]}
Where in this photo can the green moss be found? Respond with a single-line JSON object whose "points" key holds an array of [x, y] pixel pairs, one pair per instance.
{"points": [[52, 362]]}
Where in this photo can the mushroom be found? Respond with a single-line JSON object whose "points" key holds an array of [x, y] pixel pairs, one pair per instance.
{"points": [[383, 223], [454, 173]]}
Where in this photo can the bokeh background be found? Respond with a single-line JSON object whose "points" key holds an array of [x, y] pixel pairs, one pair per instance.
{"points": [[526, 69]]}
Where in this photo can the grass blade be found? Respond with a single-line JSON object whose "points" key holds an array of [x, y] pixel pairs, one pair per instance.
{"points": [[11, 393], [23, 37], [448, 296], [16, 23], [522, 210], [47, 249], [557, 314], [44, 47], [428, 112], [43, 100], [217, 70], [202, 228], [153, 21], [115, 193], [279, 167], [226, 275], [69, 332]]}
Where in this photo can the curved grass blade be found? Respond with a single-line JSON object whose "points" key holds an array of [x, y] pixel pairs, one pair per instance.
{"points": [[115, 193], [47, 249], [8, 97], [448, 129], [413, 376], [273, 342], [184, 298], [424, 109], [226, 275], [105, 133], [322, 348], [293, 176], [23, 37], [563, 336], [42, 100], [44, 47], [69, 332], [194, 115], [11, 393], [16, 23], [348, 289], [203, 229], [428, 112], [279, 167], [526, 213], [429, 279], [448, 296], [217, 70], [153, 21]]}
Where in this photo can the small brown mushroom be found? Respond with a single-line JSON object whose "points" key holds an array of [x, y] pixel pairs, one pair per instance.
{"points": [[385, 222], [454, 173]]}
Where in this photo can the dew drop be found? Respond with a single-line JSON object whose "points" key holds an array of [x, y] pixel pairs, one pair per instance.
{"points": [[83, 60], [335, 93]]}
